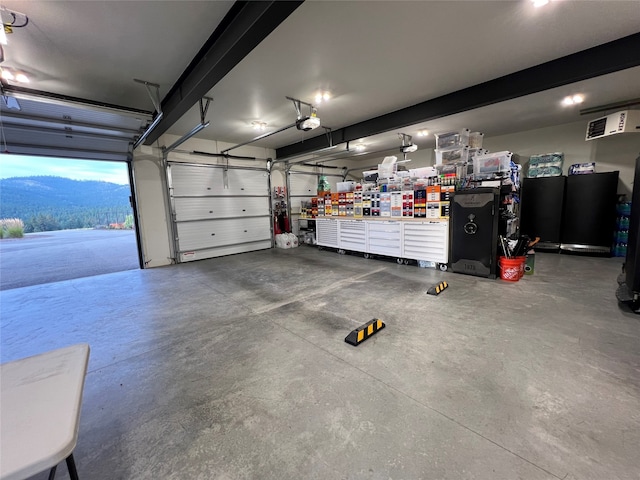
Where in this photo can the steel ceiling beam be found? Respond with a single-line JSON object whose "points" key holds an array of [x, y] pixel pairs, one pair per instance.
{"points": [[245, 25], [606, 58]]}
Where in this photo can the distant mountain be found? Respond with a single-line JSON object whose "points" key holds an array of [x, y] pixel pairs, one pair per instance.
{"points": [[52, 203]]}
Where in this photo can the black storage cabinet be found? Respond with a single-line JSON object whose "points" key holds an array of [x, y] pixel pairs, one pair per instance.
{"points": [[589, 214], [474, 231], [629, 288], [541, 207]]}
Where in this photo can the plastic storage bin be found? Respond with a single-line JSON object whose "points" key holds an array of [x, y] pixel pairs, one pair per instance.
{"points": [[346, 186], [490, 164], [474, 152], [452, 139], [452, 156], [423, 172], [386, 170], [475, 139]]}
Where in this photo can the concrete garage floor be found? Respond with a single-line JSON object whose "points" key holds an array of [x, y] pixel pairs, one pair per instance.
{"points": [[236, 368]]}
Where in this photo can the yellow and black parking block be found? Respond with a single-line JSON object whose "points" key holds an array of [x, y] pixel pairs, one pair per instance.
{"points": [[438, 288], [360, 334]]}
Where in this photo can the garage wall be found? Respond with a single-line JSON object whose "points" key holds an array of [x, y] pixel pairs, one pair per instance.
{"points": [[617, 152], [151, 190]]}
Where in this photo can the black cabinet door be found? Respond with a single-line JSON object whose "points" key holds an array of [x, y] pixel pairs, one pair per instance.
{"points": [[632, 262], [589, 216], [474, 231], [541, 210]]}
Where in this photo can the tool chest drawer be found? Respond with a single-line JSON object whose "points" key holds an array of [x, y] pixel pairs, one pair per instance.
{"points": [[426, 241], [384, 238], [353, 235]]}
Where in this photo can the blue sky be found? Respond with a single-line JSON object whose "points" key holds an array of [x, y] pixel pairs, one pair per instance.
{"points": [[25, 166]]}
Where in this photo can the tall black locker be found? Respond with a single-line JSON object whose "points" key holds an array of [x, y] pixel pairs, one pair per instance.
{"points": [[474, 231], [541, 205], [589, 215], [629, 290]]}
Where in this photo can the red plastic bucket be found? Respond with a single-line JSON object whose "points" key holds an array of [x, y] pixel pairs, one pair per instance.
{"points": [[510, 268], [522, 261]]}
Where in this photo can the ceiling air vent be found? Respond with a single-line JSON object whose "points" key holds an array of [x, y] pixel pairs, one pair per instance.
{"points": [[619, 122]]}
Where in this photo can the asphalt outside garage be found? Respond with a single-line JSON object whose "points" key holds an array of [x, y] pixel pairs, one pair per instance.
{"points": [[48, 257]]}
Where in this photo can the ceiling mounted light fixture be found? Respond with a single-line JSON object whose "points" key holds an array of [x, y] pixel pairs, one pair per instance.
{"points": [[423, 133], [323, 97], [257, 125], [573, 100], [11, 75], [22, 78], [539, 3]]}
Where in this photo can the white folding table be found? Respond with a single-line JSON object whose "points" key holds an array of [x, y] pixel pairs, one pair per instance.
{"points": [[40, 402]]}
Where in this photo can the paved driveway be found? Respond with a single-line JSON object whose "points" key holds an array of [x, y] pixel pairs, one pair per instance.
{"points": [[54, 256]]}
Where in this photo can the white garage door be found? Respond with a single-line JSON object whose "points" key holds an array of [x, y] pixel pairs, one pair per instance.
{"points": [[218, 210], [304, 185], [51, 127]]}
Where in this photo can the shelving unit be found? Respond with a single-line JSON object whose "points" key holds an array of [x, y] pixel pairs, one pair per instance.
{"points": [[306, 230]]}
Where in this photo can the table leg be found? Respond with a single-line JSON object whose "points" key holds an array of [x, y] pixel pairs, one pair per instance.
{"points": [[52, 472], [71, 466]]}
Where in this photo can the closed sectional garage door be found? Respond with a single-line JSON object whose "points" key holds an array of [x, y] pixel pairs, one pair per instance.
{"points": [[302, 186], [218, 210]]}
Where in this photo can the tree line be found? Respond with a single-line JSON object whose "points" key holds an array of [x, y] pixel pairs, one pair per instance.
{"points": [[46, 203], [78, 218]]}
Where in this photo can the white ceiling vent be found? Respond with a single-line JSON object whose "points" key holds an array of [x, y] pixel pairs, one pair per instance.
{"points": [[619, 122]]}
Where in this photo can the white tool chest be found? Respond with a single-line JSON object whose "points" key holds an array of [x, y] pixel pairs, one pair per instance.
{"points": [[384, 238], [426, 241], [327, 232], [353, 235], [407, 239]]}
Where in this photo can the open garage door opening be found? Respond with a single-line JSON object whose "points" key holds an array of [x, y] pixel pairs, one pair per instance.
{"points": [[63, 219]]}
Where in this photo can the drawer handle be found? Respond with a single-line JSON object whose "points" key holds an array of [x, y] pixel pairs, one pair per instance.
{"points": [[208, 188], [212, 234], [242, 189], [245, 231], [210, 211], [244, 210]]}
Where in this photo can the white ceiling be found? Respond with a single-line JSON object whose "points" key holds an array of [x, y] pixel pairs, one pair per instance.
{"points": [[374, 56], [94, 49]]}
